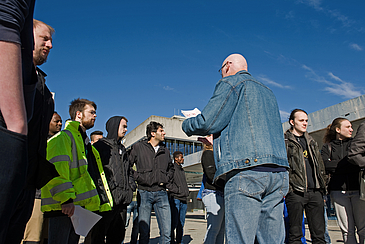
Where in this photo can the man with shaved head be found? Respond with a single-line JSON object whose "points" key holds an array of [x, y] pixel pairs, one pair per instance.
{"points": [[249, 152]]}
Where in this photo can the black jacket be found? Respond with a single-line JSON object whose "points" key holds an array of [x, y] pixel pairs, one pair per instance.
{"points": [[297, 171], [209, 169], [154, 170], [344, 175], [356, 152], [180, 189], [116, 164], [40, 171]]}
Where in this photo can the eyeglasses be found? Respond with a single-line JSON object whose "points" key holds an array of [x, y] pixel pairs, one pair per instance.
{"points": [[93, 112], [220, 70]]}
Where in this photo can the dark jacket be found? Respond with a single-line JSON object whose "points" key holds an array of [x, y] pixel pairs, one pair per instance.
{"points": [[116, 164], [209, 169], [356, 152], [40, 171], [297, 172], [180, 189], [344, 175], [154, 170]]}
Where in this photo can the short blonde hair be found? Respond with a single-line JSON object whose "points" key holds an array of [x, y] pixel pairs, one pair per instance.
{"points": [[38, 22]]}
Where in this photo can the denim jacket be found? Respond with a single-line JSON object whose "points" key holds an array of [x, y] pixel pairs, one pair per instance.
{"points": [[244, 117]]}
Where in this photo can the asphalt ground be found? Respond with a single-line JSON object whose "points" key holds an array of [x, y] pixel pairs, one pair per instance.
{"points": [[195, 227]]}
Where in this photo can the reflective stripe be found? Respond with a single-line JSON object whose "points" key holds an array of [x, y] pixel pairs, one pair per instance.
{"points": [[60, 158], [59, 188], [79, 197], [75, 163], [86, 195], [49, 201], [79, 163]]}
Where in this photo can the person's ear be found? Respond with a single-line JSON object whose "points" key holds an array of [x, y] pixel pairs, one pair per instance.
{"points": [[291, 122], [78, 114]]}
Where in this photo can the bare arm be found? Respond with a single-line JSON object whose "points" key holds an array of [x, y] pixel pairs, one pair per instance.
{"points": [[12, 104]]}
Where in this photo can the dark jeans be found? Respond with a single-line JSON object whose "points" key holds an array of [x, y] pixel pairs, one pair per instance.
{"points": [[178, 212], [133, 207], [16, 204], [61, 231], [110, 229], [312, 203]]}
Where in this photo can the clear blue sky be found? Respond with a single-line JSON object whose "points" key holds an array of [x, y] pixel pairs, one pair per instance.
{"points": [[142, 58]]}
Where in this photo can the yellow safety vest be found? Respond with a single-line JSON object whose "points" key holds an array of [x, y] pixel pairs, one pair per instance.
{"points": [[66, 151]]}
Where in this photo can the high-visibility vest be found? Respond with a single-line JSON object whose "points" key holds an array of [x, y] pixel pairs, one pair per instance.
{"points": [[67, 152]]}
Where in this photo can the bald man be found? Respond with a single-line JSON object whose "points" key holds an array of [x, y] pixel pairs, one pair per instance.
{"points": [[249, 151]]}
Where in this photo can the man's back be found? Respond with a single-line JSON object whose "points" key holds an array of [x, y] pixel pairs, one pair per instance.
{"points": [[243, 117], [244, 113]]}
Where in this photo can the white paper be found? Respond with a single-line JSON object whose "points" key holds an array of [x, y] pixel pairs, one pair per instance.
{"points": [[83, 220], [190, 113]]}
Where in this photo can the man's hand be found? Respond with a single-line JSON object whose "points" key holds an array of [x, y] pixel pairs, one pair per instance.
{"points": [[68, 209]]}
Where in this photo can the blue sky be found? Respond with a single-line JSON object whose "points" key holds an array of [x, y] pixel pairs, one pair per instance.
{"points": [[142, 58]]}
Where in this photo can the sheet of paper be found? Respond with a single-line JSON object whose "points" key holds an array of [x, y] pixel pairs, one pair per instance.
{"points": [[83, 220], [190, 113]]}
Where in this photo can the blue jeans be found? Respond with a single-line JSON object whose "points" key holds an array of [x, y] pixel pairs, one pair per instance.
{"points": [[178, 212], [160, 203], [133, 207], [61, 231], [327, 237], [214, 204], [254, 206]]}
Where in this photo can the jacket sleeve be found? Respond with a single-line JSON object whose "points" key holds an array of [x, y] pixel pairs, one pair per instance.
{"points": [[356, 151], [131, 181], [59, 153], [329, 164], [216, 115], [132, 161], [170, 170]]}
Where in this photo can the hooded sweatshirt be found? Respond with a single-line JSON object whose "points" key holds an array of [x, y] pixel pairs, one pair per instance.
{"points": [[116, 164]]}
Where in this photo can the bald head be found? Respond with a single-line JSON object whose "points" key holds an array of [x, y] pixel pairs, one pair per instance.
{"points": [[232, 64]]}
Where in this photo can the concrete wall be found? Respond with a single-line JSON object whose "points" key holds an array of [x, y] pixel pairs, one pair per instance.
{"points": [[353, 109]]}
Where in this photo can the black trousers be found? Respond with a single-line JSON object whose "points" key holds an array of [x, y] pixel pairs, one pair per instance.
{"points": [[312, 203], [110, 229]]}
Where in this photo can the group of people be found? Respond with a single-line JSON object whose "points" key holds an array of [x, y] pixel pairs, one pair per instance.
{"points": [[261, 166], [258, 165], [44, 168]]}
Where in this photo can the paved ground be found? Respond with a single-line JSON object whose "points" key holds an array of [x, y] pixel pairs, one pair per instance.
{"points": [[195, 227]]}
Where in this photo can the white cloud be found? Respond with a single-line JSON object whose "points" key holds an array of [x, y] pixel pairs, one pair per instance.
{"points": [[284, 115], [313, 3], [289, 15], [268, 81], [336, 87], [316, 4], [356, 47], [167, 88]]}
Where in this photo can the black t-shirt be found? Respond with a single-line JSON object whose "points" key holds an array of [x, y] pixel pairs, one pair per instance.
{"points": [[308, 162]]}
